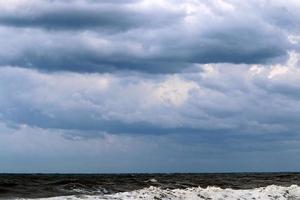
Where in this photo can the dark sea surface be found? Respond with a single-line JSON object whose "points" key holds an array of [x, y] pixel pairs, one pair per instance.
{"points": [[52, 185]]}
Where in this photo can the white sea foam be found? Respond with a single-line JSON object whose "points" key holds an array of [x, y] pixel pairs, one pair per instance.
{"points": [[271, 192]]}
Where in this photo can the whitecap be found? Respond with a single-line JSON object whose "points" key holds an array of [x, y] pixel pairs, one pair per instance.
{"points": [[271, 192]]}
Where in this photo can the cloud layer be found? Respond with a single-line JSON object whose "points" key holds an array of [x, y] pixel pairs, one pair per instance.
{"points": [[150, 36], [237, 99], [149, 86]]}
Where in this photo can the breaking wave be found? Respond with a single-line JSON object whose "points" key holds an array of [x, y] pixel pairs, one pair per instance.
{"points": [[272, 192]]}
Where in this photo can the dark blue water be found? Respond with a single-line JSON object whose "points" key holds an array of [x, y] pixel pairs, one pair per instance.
{"points": [[51, 185]]}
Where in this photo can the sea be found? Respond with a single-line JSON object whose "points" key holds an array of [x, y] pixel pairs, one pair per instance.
{"points": [[208, 186]]}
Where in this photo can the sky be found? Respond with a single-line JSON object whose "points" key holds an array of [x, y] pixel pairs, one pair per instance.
{"points": [[121, 86]]}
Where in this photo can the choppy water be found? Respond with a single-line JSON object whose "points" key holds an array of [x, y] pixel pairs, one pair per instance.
{"points": [[252, 186]]}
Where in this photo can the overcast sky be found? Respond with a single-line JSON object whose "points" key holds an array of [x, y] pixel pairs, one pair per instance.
{"points": [[149, 85]]}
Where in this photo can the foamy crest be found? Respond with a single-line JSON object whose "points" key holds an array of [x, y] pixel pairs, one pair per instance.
{"points": [[272, 192]]}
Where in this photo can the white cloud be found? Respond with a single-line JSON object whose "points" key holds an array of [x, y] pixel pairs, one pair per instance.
{"points": [[174, 91]]}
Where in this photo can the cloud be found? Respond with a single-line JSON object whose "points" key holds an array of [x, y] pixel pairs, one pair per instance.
{"points": [[218, 99], [74, 15], [187, 83], [148, 36]]}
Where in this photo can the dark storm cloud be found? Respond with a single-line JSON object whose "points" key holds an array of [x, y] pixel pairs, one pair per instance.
{"points": [[74, 19], [149, 36], [73, 16]]}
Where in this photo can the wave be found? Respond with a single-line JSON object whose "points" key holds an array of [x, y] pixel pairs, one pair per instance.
{"points": [[272, 192]]}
